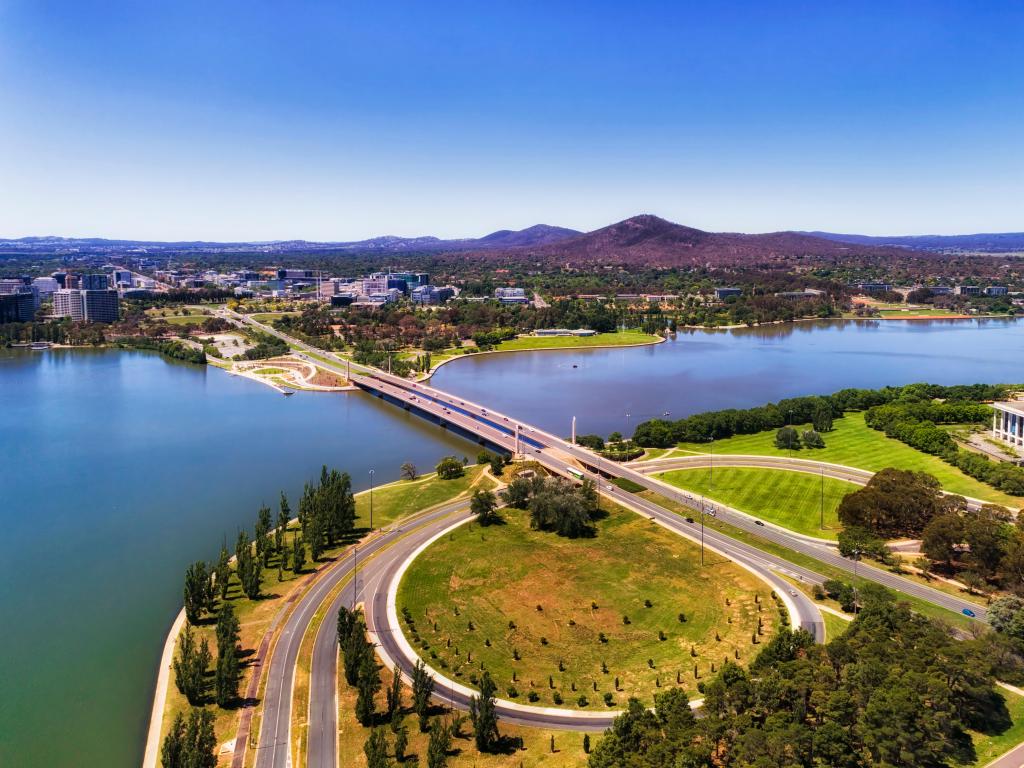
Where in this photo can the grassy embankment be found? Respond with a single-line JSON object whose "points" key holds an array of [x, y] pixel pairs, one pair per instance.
{"points": [[853, 443], [465, 590], [790, 499], [393, 501], [618, 339]]}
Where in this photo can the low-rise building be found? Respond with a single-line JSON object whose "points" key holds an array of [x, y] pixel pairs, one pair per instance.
{"points": [[431, 294], [806, 293], [1008, 422], [874, 287], [968, 290], [564, 332], [511, 296], [724, 293], [996, 290]]}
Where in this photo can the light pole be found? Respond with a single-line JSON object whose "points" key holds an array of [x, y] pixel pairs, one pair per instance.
{"points": [[371, 499], [702, 530], [355, 573], [856, 598], [821, 505], [711, 473]]}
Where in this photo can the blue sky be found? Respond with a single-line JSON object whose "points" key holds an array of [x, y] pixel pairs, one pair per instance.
{"points": [[342, 120]]}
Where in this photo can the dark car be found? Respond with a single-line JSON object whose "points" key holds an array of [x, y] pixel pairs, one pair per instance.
{"points": [[758, 522], [689, 519], [968, 612]]}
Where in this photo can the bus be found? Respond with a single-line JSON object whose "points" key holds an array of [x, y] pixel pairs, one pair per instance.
{"points": [[575, 473]]}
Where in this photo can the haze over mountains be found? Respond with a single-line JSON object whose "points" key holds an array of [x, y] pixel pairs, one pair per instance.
{"points": [[643, 240]]}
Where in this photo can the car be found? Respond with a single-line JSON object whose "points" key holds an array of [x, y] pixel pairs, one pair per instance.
{"points": [[689, 520], [505, 417], [758, 522], [792, 592], [607, 487], [968, 612]]}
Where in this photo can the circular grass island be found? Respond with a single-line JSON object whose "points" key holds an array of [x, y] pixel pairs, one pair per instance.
{"points": [[581, 622]]}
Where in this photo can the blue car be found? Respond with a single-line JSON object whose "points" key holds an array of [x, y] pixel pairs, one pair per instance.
{"points": [[968, 612]]}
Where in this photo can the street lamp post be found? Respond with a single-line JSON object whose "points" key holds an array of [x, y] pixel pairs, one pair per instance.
{"points": [[711, 474], [371, 499], [702, 530], [856, 596], [821, 505]]}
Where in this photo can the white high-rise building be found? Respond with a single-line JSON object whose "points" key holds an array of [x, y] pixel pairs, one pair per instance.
{"points": [[67, 302]]}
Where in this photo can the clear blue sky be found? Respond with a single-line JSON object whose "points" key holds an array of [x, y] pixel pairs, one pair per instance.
{"points": [[341, 120]]}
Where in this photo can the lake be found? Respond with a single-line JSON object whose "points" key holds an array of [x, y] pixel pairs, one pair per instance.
{"points": [[118, 468], [700, 370]]}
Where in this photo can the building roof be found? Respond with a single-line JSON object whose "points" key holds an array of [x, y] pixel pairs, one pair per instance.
{"points": [[1013, 406]]}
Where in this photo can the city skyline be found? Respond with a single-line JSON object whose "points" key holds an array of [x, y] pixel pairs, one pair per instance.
{"points": [[244, 122]]}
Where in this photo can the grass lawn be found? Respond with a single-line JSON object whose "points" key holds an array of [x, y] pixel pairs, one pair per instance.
{"points": [[400, 499], [267, 318], [491, 576], [621, 338], [535, 751], [268, 371], [910, 312], [856, 445], [921, 606], [834, 626], [789, 499], [184, 319], [991, 746]]}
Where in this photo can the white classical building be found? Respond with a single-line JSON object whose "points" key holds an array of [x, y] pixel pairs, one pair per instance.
{"points": [[1008, 422]]}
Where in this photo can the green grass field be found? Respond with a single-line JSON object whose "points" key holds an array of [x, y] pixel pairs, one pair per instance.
{"points": [[991, 746], [834, 626], [790, 499], [854, 444], [910, 312], [402, 498], [621, 338], [488, 577]]}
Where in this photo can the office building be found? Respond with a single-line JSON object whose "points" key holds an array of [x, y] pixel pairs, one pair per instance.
{"points": [[122, 277], [100, 306], [431, 294], [967, 290], [94, 282], [1008, 422], [67, 302], [996, 290], [9, 285], [511, 296], [91, 306], [17, 307], [724, 293]]}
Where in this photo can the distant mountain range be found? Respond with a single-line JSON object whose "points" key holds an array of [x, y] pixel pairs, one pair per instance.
{"points": [[539, 234], [644, 240], [994, 242]]}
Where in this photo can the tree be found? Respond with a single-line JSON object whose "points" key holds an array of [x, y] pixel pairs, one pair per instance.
{"points": [[172, 749], [449, 468], [517, 493], [822, 417], [401, 743], [222, 574], [895, 502], [367, 685], [408, 471], [422, 690], [284, 516], [439, 745], [200, 742], [198, 591], [812, 439], [250, 573], [482, 714], [376, 749], [298, 554], [484, 504], [1006, 615], [227, 629], [394, 698], [262, 537], [190, 666], [226, 678], [943, 538], [788, 439]]}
